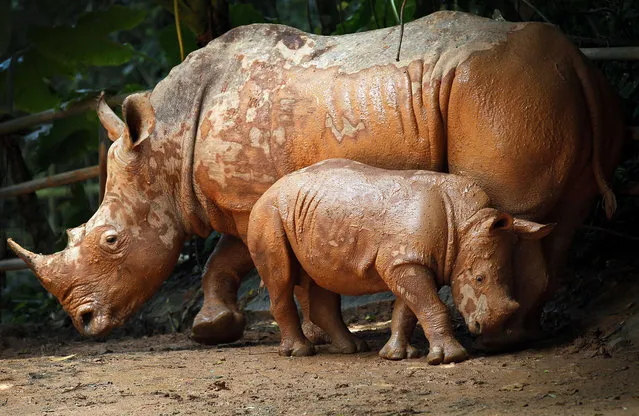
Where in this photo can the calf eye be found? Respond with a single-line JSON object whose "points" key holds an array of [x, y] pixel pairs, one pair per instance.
{"points": [[479, 278], [111, 239]]}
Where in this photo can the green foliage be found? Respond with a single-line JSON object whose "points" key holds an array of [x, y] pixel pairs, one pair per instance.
{"points": [[244, 14], [168, 39]]}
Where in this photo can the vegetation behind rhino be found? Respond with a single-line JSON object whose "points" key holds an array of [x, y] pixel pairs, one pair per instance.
{"points": [[514, 106]]}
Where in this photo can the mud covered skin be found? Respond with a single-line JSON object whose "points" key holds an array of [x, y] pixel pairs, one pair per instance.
{"points": [[514, 106], [349, 228], [467, 109]]}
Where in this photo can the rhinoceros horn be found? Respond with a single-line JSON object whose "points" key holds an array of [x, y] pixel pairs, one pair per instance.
{"points": [[42, 265], [111, 122]]}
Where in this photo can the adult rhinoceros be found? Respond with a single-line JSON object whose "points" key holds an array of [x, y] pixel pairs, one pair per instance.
{"points": [[513, 105]]}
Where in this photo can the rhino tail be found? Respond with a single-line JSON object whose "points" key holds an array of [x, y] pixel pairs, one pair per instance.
{"points": [[591, 84]]}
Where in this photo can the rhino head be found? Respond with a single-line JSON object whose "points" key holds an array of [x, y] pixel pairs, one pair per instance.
{"points": [[118, 259], [482, 277]]}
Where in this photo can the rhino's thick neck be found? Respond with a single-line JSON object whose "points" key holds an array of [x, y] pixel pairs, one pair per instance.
{"points": [[178, 107]]}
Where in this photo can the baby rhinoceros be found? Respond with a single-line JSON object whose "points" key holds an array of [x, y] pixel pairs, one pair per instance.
{"points": [[354, 229]]}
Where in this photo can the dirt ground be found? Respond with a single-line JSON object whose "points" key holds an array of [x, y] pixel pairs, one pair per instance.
{"points": [[588, 366], [172, 375]]}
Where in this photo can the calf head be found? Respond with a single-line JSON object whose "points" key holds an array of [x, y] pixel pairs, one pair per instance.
{"points": [[119, 258], [482, 276]]}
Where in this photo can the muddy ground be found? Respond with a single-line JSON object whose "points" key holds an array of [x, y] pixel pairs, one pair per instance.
{"points": [[588, 365], [171, 375]]}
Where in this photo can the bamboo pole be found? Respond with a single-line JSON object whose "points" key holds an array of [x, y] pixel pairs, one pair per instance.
{"points": [[103, 150], [50, 181], [12, 264], [625, 53], [71, 109]]}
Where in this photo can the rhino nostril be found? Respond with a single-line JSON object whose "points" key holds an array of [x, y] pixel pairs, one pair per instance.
{"points": [[86, 318]]}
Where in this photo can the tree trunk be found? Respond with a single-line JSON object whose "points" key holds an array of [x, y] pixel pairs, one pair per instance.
{"points": [[30, 210]]}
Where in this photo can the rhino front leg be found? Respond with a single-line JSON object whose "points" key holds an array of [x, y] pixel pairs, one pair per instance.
{"points": [[403, 324], [415, 285], [220, 319]]}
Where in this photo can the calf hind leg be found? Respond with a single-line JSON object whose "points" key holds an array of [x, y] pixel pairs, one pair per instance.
{"points": [[415, 285], [403, 324], [314, 333], [325, 311], [278, 268]]}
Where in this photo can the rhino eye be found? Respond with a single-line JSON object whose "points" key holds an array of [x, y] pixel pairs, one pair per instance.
{"points": [[111, 239], [479, 278]]}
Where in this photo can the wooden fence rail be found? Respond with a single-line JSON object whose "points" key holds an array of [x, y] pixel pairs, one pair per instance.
{"points": [[68, 110], [65, 178]]}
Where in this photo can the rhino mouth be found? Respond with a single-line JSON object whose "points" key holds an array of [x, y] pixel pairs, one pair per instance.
{"points": [[89, 321]]}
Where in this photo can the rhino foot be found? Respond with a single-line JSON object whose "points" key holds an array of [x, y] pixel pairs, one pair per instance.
{"points": [[350, 346], [314, 333], [446, 352], [396, 350], [296, 349], [217, 325]]}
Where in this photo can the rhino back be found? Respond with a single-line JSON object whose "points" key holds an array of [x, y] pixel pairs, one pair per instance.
{"points": [[352, 219], [278, 99]]}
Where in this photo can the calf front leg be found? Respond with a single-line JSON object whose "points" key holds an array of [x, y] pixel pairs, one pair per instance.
{"points": [[415, 285], [220, 319]]}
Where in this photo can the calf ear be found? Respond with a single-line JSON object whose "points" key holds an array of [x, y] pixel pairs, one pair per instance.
{"points": [[139, 118], [529, 230], [499, 221]]}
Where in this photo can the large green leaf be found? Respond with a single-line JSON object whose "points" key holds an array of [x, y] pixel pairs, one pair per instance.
{"points": [[86, 44], [108, 21], [31, 88], [69, 139], [64, 44], [170, 46]]}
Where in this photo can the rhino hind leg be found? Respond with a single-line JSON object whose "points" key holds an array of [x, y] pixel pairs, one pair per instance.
{"points": [[415, 286], [220, 320], [314, 333], [325, 311], [403, 323]]}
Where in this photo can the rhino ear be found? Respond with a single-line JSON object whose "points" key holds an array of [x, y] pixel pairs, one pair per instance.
{"points": [[114, 126], [139, 118], [529, 230], [493, 220]]}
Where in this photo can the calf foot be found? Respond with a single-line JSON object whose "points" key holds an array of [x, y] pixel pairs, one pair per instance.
{"points": [[449, 351], [296, 349], [396, 349], [217, 324], [314, 333], [350, 346]]}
